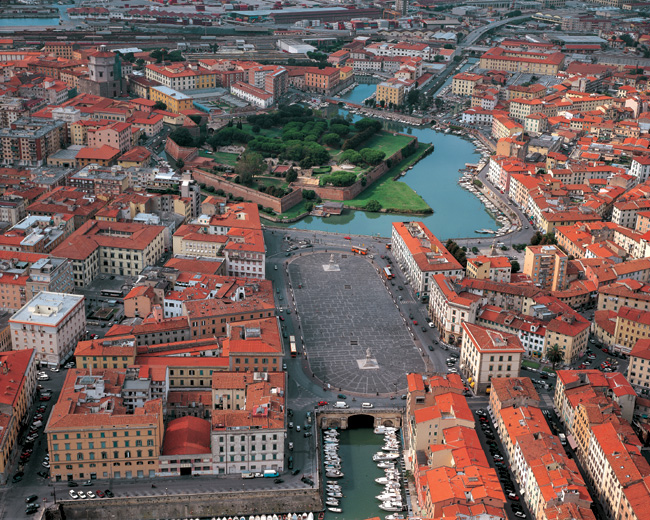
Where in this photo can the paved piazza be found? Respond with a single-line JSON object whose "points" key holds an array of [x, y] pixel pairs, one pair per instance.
{"points": [[343, 313]]}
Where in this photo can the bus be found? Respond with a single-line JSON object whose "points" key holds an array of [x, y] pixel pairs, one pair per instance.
{"points": [[388, 273], [359, 250], [113, 293], [292, 343]]}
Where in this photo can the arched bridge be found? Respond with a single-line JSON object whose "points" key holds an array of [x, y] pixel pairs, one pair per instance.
{"points": [[345, 418]]}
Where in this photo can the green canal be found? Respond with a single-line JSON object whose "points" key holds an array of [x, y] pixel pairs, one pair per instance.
{"points": [[359, 489]]}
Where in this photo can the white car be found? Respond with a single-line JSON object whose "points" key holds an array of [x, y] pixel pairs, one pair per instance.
{"points": [[73, 494], [54, 369], [81, 494], [90, 494], [452, 370]]}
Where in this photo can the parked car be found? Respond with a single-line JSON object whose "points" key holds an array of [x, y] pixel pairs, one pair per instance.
{"points": [[109, 493], [31, 498], [73, 494], [100, 493]]}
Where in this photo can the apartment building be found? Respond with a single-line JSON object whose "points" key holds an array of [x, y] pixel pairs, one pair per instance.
{"points": [[624, 213], [30, 141], [114, 352], [391, 93], [486, 353], [51, 324], [631, 326], [18, 380], [253, 345], [549, 481], [638, 370], [253, 95], [546, 266], [640, 168], [596, 409], [624, 293], [322, 81], [93, 434], [499, 58], [12, 209], [117, 248], [248, 426], [174, 100], [530, 331], [450, 307], [495, 268], [181, 76], [504, 126], [464, 83], [452, 476], [96, 180], [421, 256]]}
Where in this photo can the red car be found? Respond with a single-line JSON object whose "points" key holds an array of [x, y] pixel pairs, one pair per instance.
{"points": [[45, 398], [322, 403], [281, 318], [415, 322], [582, 366], [347, 238]]}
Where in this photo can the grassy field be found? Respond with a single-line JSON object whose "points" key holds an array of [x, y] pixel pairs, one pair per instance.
{"points": [[387, 142], [225, 158], [268, 132], [298, 209], [393, 195], [270, 181], [530, 364]]}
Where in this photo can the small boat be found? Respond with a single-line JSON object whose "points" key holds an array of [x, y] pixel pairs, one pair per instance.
{"points": [[384, 497], [394, 516], [334, 473], [390, 447], [389, 506], [332, 502], [339, 510], [386, 465], [385, 456], [333, 482], [385, 480], [334, 495]]}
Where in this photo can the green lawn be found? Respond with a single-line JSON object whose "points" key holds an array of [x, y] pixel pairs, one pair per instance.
{"points": [[268, 132], [387, 142], [298, 209], [530, 364], [270, 181], [393, 195], [225, 158]]}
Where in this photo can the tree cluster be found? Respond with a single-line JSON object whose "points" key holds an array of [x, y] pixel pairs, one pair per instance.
{"points": [[366, 128], [338, 179], [539, 239], [457, 252]]}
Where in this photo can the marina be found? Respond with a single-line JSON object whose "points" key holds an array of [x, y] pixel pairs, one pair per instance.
{"points": [[356, 494]]}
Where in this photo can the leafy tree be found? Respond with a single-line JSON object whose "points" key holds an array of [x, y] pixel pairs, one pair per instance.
{"points": [[309, 206], [340, 129], [371, 156], [373, 205], [159, 105], [515, 266], [447, 46], [292, 175], [180, 163], [350, 156], [249, 165], [413, 97], [239, 125], [333, 140], [309, 194], [554, 354], [437, 58], [256, 129], [196, 118], [182, 137]]}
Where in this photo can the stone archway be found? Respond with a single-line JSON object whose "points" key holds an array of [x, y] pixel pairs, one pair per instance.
{"points": [[387, 422], [361, 421]]}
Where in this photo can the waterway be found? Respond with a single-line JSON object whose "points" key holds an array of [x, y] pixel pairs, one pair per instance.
{"points": [[457, 213], [359, 93], [470, 63], [27, 22], [356, 448]]}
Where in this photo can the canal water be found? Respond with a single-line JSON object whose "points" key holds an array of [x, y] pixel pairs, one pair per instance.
{"points": [[26, 22], [457, 213], [358, 486], [470, 62], [360, 93]]}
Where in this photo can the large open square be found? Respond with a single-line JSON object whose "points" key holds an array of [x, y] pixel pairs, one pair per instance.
{"points": [[344, 313]]}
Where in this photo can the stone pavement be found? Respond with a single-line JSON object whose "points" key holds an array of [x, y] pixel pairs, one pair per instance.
{"points": [[342, 314]]}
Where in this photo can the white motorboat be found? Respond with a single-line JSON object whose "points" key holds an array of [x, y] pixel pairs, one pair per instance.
{"points": [[334, 495], [385, 456], [389, 506], [339, 510], [332, 502], [390, 447], [334, 473], [394, 516], [385, 480], [384, 497], [386, 465], [332, 482]]}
